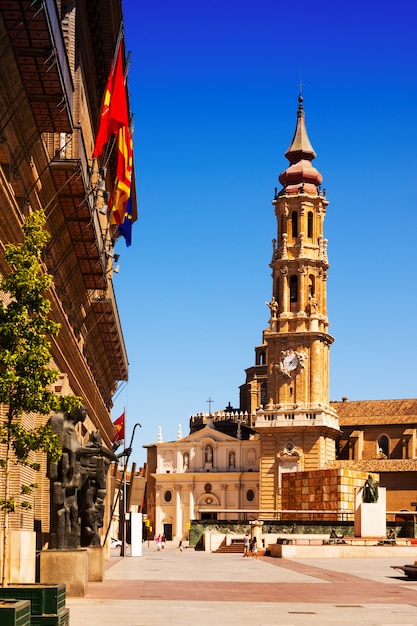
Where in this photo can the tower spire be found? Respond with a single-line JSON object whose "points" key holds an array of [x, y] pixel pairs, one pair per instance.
{"points": [[300, 153]]}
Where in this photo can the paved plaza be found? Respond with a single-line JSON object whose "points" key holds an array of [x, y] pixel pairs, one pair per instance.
{"points": [[206, 589]]}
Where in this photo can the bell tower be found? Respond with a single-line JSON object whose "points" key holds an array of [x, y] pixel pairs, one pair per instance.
{"points": [[287, 391]]}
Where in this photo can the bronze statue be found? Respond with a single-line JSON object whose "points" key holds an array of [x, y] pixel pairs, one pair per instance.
{"points": [[78, 485], [370, 490]]}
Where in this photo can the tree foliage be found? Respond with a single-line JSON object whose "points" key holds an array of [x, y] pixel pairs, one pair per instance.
{"points": [[25, 355]]}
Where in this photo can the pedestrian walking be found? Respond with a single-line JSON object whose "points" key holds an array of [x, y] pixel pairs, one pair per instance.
{"points": [[246, 544], [180, 546], [158, 540], [254, 548]]}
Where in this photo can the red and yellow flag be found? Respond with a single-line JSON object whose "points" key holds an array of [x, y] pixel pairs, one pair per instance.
{"points": [[119, 426], [123, 183], [114, 111]]}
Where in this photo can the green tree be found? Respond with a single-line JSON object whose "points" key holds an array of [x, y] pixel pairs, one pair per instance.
{"points": [[25, 358]]}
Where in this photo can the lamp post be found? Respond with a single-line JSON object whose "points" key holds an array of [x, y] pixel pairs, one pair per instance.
{"points": [[126, 453]]}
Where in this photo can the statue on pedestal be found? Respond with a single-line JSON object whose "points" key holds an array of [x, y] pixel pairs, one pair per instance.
{"points": [[77, 485]]}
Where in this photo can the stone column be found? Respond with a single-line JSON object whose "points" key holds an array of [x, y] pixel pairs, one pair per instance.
{"points": [[302, 289], [158, 512], [178, 512], [238, 487], [191, 488], [256, 531], [224, 498], [284, 286]]}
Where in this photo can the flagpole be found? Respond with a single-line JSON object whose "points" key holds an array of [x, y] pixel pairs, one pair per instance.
{"points": [[126, 453], [123, 548]]}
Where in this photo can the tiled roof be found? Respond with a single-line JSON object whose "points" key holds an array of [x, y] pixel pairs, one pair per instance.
{"points": [[363, 412], [376, 465]]}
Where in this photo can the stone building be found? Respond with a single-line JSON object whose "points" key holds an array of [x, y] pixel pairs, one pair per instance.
{"points": [[55, 61], [209, 474], [380, 436], [311, 453]]}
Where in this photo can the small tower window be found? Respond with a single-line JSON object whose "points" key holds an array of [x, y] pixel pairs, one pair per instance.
{"points": [[294, 224], [311, 286], [310, 225], [383, 445], [262, 358], [294, 288], [263, 394]]}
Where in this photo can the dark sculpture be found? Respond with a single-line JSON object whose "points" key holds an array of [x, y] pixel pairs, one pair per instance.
{"points": [[370, 490], [77, 485]]}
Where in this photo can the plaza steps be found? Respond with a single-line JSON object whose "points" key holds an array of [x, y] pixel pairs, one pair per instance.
{"points": [[233, 548]]}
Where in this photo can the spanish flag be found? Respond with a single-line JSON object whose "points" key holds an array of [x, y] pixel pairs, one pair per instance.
{"points": [[119, 426], [114, 111]]}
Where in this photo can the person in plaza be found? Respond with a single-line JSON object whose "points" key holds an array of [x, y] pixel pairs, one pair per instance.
{"points": [[163, 542], [181, 547], [254, 548], [158, 540], [246, 543]]}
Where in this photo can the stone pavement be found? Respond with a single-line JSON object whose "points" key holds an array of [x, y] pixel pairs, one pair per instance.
{"points": [[206, 589]]}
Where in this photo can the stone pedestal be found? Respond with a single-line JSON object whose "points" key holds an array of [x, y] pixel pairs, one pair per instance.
{"points": [[256, 531], [65, 566], [95, 564], [135, 534], [22, 556], [21, 562], [370, 517]]}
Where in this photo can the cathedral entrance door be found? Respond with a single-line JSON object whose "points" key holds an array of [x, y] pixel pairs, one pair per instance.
{"points": [[168, 532]]}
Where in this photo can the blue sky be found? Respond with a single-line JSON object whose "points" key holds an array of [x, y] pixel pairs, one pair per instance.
{"points": [[214, 88]]}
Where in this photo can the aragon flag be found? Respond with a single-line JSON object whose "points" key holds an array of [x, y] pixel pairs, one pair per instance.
{"points": [[119, 425], [123, 183], [114, 112]]}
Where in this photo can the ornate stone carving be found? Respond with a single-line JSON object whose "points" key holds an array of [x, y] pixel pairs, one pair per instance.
{"points": [[291, 363]]}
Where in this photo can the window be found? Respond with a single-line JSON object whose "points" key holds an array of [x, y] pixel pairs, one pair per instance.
{"points": [[168, 496], [250, 495], [383, 445], [311, 285], [264, 400], [294, 224], [310, 225], [293, 288]]}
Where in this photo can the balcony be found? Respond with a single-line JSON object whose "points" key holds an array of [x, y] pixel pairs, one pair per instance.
{"points": [[36, 39], [71, 178]]}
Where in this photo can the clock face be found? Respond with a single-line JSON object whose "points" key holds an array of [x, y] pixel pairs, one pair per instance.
{"points": [[290, 362]]}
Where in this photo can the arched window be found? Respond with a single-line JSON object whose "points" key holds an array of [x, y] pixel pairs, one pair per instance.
{"points": [[311, 285], [262, 358], [294, 224], [383, 445], [310, 225], [293, 288]]}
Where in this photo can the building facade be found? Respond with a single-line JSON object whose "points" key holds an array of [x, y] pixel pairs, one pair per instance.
{"points": [[208, 474], [55, 59]]}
